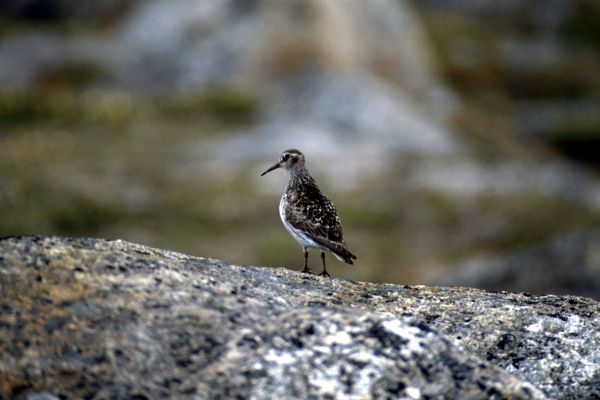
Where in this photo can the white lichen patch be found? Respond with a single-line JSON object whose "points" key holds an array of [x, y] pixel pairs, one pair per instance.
{"points": [[326, 382], [413, 392], [340, 338], [360, 357], [281, 358], [563, 334], [537, 326], [281, 301], [408, 333]]}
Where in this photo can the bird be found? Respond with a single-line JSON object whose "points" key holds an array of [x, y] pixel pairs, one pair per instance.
{"points": [[307, 214]]}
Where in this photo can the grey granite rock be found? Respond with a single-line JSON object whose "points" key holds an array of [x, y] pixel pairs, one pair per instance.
{"points": [[95, 318]]}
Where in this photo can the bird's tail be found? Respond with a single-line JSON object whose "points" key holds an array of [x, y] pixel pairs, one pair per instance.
{"points": [[343, 254], [339, 250]]}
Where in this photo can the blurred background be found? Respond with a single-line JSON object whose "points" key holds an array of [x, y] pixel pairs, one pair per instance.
{"points": [[459, 139]]}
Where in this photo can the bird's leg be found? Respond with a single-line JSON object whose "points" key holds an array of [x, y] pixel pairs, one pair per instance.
{"points": [[306, 270], [324, 273]]}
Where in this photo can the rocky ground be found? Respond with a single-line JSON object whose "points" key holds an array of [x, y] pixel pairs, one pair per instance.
{"points": [[92, 318]]}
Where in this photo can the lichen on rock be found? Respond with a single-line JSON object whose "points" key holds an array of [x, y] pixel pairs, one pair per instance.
{"points": [[96, 318]]}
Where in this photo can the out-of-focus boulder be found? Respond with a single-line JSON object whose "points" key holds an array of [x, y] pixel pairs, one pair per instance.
{"points": [[568, 264]]}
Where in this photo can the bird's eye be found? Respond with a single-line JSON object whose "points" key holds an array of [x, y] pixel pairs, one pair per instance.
{"points": [[285, 157]]}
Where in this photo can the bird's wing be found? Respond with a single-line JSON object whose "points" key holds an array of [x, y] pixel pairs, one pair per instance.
{"points": [[314, 215]]}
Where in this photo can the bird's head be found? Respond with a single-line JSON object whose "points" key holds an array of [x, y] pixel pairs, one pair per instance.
{"points": [[290, 160]]}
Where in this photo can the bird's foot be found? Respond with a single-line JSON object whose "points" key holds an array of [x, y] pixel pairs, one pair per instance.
{"points": [[307, 270], [325, 274]]}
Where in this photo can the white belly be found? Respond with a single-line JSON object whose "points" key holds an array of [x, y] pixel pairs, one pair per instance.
{"points": [[300, 236]]}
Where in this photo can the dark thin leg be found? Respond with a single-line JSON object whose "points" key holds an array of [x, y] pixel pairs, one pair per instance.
{"points": [[306, 270], [324, 273]]}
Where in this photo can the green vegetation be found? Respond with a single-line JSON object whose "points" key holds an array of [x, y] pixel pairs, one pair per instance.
{"points": [[57, 101], [222, 104], [583, 25], [97, 181], [64, 108]]}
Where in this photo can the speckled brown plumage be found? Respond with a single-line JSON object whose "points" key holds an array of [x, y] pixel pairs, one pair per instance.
{"points": [[308, 215]]}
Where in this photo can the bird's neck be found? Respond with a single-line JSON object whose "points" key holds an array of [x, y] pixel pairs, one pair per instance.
{"points": [[299, 177]]}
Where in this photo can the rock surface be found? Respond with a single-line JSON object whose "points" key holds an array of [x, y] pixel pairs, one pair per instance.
{"points": [[85, 318]]}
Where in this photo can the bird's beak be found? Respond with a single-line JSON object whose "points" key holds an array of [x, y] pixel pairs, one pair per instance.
{"points": [[271, 168]]}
